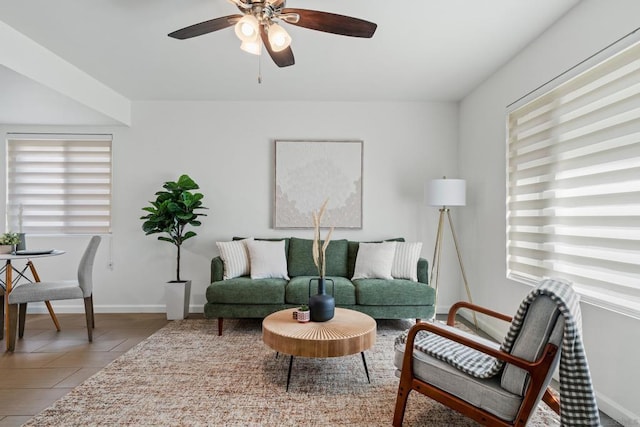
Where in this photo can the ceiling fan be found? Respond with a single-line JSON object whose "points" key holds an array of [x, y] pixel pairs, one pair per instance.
{"points": [[259, 22]]}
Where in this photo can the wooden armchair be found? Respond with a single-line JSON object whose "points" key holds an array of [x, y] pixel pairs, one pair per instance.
{"points": [[507, 399]]}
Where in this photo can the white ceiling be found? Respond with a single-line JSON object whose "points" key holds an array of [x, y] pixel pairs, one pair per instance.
{"points": [[422, 50]]}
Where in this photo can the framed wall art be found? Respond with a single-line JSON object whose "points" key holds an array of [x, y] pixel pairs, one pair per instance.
{"points": [[309, 172]]}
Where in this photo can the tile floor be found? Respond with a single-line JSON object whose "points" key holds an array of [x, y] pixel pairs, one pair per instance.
{"points": [[48, 364]]}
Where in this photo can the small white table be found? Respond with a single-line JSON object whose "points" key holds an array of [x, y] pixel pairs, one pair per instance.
{"points": [[9, 281]]}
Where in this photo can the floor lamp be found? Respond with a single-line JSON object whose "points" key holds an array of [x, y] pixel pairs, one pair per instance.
{"points": [[445, 193]]}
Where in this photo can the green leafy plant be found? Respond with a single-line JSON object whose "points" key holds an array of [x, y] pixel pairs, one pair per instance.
{"points": [[173, 210], [303, 308], [9, 239]]}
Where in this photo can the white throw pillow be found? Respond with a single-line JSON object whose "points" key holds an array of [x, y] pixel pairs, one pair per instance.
{"points": [[235, 257], [268, 259], [374, 260], [405, 262]]}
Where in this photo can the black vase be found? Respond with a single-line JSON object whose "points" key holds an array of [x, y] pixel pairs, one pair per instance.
{"points": [[322, 306]]}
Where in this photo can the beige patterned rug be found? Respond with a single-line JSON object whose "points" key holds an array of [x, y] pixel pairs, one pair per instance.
{"points": [[186, 375]]}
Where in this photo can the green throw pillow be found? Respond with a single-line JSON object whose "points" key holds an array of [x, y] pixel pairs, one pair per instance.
{"points": [[300, 259]]}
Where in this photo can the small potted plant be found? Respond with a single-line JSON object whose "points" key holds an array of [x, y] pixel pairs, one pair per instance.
{"points": [[175, 208], [302, 314], [8, 242]]}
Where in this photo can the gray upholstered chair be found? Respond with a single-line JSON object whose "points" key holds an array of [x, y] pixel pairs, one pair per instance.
{"points": [[507, 398], [52, 291]]}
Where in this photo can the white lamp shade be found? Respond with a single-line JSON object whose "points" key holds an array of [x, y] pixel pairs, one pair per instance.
{"points": [[247, 28], [253, 48], [278, 38], [446, 192]]}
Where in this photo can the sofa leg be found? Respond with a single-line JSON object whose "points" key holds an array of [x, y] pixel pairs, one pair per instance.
{"points": [[418, 320], [219, 326]]}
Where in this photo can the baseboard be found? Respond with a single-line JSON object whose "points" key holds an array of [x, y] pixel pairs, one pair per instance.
{"points": [[615, 411], [158, 308]]}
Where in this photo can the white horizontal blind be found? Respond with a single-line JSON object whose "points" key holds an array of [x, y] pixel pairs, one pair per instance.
{"points": [[573, 196], [59, 184]]}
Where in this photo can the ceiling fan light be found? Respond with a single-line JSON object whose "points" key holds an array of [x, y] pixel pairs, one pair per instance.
{"points": [[253, 47], [247, 28], [279, 39]]}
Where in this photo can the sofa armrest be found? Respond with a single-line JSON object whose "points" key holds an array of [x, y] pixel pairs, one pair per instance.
{"points": [[217, 269], [423, 271]]}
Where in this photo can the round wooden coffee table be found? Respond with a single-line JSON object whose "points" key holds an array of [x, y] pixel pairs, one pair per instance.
{"points": [[349, 332]]}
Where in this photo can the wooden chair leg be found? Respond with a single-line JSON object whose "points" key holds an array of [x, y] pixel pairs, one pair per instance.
{"points": [[552, 401], [22, 318], [13, 324], [88, 311], [2, 317], [219, 326], [401, 403], [93, 314]]}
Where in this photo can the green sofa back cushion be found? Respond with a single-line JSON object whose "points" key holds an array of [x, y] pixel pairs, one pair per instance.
{"points": [[300, 258], [269, 239]]}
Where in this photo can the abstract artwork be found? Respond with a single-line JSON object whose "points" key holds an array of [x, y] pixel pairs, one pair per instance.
{"points": [[308, 173]]}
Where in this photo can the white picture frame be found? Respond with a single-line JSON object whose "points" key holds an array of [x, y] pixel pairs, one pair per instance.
{"points": [[307, 172]]}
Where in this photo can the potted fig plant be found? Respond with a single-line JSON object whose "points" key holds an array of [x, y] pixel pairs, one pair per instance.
{"points": [[175, 208]]}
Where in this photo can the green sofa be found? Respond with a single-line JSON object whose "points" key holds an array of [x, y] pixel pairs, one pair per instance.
{"points": [[243, 297]]}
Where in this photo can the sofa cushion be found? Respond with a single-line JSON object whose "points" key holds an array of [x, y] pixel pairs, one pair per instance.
{"points": [[393, 292], [405, 260], [269, 239], [375, 260], [300, 258], [297, 290], [542, 317], [353, 253], [268, 259], [244, 290], [235, 257]]}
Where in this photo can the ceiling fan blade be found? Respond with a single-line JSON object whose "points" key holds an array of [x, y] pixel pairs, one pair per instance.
{"points": [[205, 27], [284, 58], [332, 23]]}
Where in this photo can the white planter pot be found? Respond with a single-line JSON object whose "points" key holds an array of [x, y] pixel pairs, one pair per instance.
{"points": [[177, 296]]}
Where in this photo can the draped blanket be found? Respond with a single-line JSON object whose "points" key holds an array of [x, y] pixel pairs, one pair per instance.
{"points": [[578, 405]]}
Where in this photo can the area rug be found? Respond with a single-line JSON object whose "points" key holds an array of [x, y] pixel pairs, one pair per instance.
{"points": [[187, 375]]}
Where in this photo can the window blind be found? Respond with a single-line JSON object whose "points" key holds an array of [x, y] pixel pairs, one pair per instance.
{"points": [[573, 184], [59, 184]]}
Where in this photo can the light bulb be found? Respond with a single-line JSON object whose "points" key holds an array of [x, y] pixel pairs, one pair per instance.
{"points": [[247, 28], [279, 39]]}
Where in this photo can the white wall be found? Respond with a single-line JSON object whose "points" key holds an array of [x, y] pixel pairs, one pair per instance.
{"points": [[228, 148], [612, 341]]}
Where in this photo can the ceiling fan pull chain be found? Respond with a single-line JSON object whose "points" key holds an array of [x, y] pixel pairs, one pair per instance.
{"points": [[260, 67]]}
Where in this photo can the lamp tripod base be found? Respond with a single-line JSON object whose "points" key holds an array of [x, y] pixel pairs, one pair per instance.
{"points": [[435, 269]]}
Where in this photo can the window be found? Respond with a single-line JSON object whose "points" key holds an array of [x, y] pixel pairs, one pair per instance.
{"points": [[59, 184], [573, 196]]}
